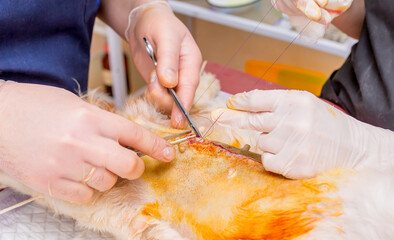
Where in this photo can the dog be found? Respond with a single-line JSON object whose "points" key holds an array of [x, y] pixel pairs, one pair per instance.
{"points": [[208, 192]]}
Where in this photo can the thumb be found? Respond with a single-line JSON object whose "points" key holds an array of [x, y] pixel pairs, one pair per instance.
{"points": [[287, 166], [261, 122], [256, 100], [168, 50], [314, 11], [310, 8]]}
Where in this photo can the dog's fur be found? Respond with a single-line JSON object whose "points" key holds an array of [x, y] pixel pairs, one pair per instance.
{"points": [[209, 193]]}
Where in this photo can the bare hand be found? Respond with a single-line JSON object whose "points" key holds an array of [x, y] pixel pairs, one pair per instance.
{"points": [[57, 144]]}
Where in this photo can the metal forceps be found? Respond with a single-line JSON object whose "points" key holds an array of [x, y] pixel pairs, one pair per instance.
{"points": [[152, 55], [185, 133]]}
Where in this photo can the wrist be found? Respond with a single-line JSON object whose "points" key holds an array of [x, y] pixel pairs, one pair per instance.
{"points": [[139, 8], [382, 144], [2, 82], [351, 20], [6, 89], [138, 3], [379, 145], [3, 86]]}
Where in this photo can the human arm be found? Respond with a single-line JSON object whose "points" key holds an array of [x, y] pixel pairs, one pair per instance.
{"points": [[352, 20], [178, 56], [302, 136], [116, 13], [312, 17], [50, 140]]}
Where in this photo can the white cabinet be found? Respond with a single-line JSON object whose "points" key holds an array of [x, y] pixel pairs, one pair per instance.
{"points": [[260, 19]]}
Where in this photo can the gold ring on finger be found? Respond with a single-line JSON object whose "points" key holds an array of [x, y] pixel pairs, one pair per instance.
{"points": [[89, 176]]}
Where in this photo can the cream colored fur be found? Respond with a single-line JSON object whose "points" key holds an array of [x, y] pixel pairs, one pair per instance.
{"points": [[368, 209], [367, 197]]}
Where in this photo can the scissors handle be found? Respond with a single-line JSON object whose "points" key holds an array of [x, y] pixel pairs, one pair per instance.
{"points": [[151, 53]]}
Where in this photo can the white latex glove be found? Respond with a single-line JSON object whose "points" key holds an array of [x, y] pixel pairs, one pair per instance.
{"points": [[50, 140], [178, 57], [302, 135], [321, 12]]}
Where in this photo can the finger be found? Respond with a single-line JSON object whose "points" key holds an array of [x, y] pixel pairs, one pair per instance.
{"points": [[160, 95], [262, 122], [256, 100], [185, 92], [102, 180], [121, 161], [128, 133], [270, 144], [277, 163], [70, 191], [300, 172], [315, 11], [271, 163], [189, 78], [97, 177], [310, 8], [168, 49], [322, 3], [325, 17]]}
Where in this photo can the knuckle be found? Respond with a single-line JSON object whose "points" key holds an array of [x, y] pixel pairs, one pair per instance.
{"points": [[81, 120], [256, 121], [98, 179], [157, 145], [67, 152], [135, 168], [83, 115], [109, 156], [254, 93], [268, 167], [262, 142], [67, 142], [306, 99], [252, 96], [131, 165], [84, 196], [103, 181], [110, 183], [155, 93], [137, 131]]}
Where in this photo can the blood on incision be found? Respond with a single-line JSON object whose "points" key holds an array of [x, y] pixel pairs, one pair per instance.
{"points": [[219, 194]]}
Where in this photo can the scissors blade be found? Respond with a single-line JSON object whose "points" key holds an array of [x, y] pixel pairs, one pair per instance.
{"points": [[141, 154], [173, 94], [169, 137]]}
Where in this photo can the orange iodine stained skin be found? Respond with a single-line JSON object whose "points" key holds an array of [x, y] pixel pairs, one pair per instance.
{"points": [[222, 195]]}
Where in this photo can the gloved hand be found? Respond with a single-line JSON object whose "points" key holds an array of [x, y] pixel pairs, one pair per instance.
{"points": [[57, 144], [302, 135], [179, 59], [321, 12]]}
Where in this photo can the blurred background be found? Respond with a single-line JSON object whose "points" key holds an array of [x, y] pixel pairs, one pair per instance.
{"points": [[222, 30]]}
